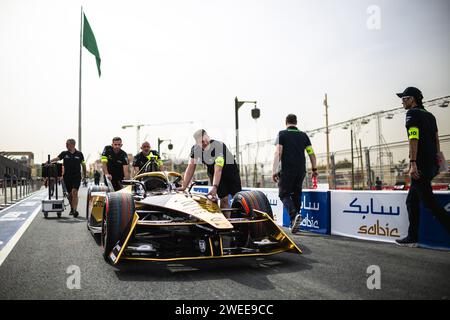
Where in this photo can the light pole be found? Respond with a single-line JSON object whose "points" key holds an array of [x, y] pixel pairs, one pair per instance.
{"points": [[327, 131], [255, 115], [160, 141]]}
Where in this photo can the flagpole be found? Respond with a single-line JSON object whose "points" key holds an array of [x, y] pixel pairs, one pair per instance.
{"points": [[79, 84]]}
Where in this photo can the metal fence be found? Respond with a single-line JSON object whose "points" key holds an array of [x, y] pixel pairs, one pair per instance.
{"points": [[357, 169], [13, 190]]}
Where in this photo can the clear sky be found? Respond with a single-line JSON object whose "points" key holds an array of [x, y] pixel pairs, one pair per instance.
{"points": [[186, 60]]}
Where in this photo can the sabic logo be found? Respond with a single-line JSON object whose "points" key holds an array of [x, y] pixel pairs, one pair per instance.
{"points": [[377, 230]]}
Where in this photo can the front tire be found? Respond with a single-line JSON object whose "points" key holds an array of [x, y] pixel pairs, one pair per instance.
{"points": [[252, 200], [248, 201], [117, 215]]}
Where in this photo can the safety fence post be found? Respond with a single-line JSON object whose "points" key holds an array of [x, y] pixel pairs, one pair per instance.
{"points": [[15, 187], [5, 193]]}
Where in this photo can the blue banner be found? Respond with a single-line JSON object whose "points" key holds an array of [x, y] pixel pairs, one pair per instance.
{"points": [[315, 212], [431, 233]]}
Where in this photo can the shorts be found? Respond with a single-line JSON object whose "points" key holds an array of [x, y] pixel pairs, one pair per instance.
{"points": [[230, 184], [72, 183]]}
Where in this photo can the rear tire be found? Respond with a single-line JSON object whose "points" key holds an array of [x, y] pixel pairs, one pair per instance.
{"points": [[117, 214]]}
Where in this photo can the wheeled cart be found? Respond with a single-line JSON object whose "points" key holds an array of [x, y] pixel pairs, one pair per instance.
{"points": [[52, 171]]}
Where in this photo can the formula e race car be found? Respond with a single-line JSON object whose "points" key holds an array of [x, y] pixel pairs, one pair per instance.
{"points": [[149, 220]]}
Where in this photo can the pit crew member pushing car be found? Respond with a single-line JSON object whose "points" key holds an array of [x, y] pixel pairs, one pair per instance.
{"points": [[72, 161], [221, 166], [143, 157], [115, 163]]}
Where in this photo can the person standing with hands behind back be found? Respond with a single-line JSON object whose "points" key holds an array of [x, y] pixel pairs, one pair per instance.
{"points": [[289, 167]]}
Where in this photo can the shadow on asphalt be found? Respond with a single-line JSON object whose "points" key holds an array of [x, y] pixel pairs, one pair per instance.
{"points": [[251, 272], [64, 219], [72, 220]]}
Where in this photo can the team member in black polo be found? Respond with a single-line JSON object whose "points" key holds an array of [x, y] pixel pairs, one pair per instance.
{"points": [[221, 167], [423, 149], [115, 163], [72, 160], [289, 168], [141, 159]]}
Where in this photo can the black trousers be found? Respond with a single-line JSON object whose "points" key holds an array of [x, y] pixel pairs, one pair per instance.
{"points": [[290, 190], [421, 191]]}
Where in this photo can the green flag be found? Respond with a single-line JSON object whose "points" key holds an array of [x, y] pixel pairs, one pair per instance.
{"points": [[90, 44]]}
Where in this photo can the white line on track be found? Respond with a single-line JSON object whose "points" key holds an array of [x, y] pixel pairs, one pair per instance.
{"points": [[13, 241]]}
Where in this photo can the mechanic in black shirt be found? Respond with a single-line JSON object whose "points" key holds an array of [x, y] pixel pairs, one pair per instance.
{"points": [[221, 167], [72, 161], [423, 149], [289, 167], [115, 163], [143, 158]]}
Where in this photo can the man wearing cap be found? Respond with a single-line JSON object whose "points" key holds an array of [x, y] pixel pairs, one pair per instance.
{"points": [[221, 166], [73, 161], [143, 158], [423, 149], [115, 163], [289, 167]]}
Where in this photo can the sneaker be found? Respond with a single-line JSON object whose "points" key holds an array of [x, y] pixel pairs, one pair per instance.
{"points": [[295, 226], [75, 214], [71, 212], [407, 242]]}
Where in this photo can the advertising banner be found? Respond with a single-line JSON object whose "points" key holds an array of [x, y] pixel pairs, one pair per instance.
{"points": [[315, 210], [370, 215], [431, 233]]}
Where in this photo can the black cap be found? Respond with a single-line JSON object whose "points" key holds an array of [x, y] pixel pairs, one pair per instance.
{"points": [[411, 92]]}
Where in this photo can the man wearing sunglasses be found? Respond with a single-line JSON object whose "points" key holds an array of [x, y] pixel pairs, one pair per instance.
{"points": [[423, 149]]}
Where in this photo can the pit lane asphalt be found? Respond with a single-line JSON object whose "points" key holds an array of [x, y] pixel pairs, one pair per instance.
{"points": [[330, 268]]}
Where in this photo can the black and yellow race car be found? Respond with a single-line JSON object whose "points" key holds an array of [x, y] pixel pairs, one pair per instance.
{"points": [[149, 220]]}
